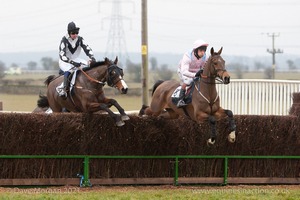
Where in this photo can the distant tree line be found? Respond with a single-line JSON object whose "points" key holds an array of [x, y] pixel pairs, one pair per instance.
{"points": [[162, 72], [239, 68]]}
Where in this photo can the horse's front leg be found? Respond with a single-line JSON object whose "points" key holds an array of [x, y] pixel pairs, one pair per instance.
{"points": [[213, 131], [222, 113], [232, 126], [201, 117], [94, 107], [117, 118], [124, 116]]}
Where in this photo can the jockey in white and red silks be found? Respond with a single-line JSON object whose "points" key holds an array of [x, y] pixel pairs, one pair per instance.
{"points": [[189, 65]]}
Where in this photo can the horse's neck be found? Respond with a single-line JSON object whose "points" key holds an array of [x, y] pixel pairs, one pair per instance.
{"points": [[89, 78], [208, 84], [97, 73]]}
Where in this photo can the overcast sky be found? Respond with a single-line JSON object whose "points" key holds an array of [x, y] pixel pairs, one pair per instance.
{"points": [[242, 27]]}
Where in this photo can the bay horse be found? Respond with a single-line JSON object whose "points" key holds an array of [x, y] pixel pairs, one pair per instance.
{"points": [[205, 105], [87, 93]]}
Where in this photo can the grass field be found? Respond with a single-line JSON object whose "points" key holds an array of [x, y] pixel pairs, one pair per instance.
{"points": [[27, 103], [154, 192]]}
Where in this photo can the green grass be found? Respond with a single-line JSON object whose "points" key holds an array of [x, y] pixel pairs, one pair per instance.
{"points": [[164, 192]]}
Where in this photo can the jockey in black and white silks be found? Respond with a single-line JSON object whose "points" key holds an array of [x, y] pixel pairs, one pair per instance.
{"points": [[69, 52]]}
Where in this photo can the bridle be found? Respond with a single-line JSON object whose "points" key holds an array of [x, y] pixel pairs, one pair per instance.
{"points": [[110, 79], [216, 76]]}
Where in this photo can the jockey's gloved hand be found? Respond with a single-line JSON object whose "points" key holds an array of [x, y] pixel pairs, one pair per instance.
{"points": [[76, 64], [93, 59], [198, 74]]}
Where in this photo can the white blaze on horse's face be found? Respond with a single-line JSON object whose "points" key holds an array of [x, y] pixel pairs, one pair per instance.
{"points": [[121, 85], [125, 87]]}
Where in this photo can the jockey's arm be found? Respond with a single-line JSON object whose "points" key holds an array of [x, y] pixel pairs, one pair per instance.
{"points": [[87, 50], [62, 51], [185, 65]]}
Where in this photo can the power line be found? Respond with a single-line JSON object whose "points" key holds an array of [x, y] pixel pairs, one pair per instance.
{"points": [[273, 51], [116, 43]]}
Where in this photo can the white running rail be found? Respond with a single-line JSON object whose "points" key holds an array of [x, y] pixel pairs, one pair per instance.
{"points": [[258, 96]]}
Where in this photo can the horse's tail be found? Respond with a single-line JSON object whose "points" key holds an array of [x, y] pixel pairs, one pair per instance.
{"points": [[156, 85], [49, 79], [43, 101]]}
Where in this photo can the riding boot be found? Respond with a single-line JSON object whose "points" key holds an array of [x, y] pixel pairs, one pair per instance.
{"points": [[181, 101], [66, 84]]}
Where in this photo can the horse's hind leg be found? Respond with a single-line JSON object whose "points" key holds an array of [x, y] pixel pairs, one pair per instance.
{"points": [[232, 126], [142, 110], [146, 110], [169, 113]]}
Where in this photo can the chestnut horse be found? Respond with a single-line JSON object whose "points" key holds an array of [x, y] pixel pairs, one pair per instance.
{"points": [[87, 93], [205, 105]]}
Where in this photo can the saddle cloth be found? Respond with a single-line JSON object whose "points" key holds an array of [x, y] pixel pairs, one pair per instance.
{"points": [[188, 94]]}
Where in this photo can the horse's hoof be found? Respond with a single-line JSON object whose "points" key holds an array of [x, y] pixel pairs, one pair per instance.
{"points": [[120, 123], [231, 137], [210, 142], [125, 117], [142, 111]]}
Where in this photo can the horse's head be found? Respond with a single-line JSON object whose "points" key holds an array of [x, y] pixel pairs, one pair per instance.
{"points": [[217, 66], [115, 76]]}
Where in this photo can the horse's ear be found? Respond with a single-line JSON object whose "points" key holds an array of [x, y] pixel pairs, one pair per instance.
{"points": [[116, 60], [220, 51], [106, 60], [212, 51]]}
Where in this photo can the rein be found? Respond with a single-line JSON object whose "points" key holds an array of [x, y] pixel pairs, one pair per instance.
{"points": [[90, 78], [198, 89], [217, 78]]}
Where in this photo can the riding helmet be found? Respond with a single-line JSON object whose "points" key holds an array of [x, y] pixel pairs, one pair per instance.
{"points": [[199, 43], [72, 27]]}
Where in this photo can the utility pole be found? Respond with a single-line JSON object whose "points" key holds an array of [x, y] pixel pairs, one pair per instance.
{"points": [[273, 51], [145, 53]]}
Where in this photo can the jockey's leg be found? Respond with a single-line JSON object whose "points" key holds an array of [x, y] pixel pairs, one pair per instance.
{"points": [[181, 101], [65, 84]]}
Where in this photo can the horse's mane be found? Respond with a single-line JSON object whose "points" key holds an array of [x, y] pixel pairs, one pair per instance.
{"points": [[96, 64], [106, 61]]}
